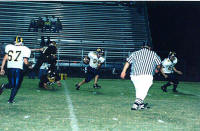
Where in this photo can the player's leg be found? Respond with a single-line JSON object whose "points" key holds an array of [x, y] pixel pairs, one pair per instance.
{"points": [[39, 63], [164, 87], [90, 75], [7, 85], [169, 83], [58, 80], [95, 82], [52, 61], [176, 82], [142, 84], [41, 85], [96, 78], [16, 80]]}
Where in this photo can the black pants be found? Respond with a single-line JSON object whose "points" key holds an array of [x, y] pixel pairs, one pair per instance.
{"points": [[91, 73], [42, 59]]}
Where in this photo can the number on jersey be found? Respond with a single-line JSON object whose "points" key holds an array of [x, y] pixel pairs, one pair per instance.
{"points": [[13, 56]]}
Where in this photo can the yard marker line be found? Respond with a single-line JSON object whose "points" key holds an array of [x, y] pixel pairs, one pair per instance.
{"points": [[74, 123]]}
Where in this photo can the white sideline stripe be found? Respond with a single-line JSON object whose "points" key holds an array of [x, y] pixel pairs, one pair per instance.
{"points": [[73, 123]]}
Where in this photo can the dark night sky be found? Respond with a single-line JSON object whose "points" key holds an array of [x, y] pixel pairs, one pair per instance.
{"points": [[175, 26]]}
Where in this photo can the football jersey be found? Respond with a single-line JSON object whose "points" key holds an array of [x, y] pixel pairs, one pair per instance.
{"points": [[16, 55], [168, 65], [94, 60]]}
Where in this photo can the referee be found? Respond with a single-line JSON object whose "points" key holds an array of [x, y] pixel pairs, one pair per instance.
{"points": [[144, 63]]}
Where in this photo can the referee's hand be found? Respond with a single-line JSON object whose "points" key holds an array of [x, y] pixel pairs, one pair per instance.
{"points": [[123, 74]]}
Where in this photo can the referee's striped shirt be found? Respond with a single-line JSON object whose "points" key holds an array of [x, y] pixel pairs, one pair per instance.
{"points": [[143, 62]]}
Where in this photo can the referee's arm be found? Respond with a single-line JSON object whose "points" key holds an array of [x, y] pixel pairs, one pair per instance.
{"points": [[123, 73], [129, 60]]}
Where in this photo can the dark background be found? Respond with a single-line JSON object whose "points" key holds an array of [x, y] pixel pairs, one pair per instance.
{"points": [[175, 26]]}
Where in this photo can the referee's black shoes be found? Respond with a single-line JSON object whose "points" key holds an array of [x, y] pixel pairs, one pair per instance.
{"points": [[140, 106]]}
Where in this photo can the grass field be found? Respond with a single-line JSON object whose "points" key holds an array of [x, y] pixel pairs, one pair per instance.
{"points": [[105, 109]]}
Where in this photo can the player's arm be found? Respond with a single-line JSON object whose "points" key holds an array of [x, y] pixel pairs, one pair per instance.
{"points": [[26, 62], [177, 71], [100, 62], [123, 73], [45, 86], [99, 65], [158, 68], [38, 49], [5, 58]]}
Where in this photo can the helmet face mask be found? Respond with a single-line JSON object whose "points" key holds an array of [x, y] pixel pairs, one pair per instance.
{"points": [[18, 40], [53, 43], [51, 76], [171, 55]]}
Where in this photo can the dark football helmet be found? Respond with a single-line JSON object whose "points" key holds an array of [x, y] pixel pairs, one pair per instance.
{"points": [[53, 43], [51, 76], [86, 60]]}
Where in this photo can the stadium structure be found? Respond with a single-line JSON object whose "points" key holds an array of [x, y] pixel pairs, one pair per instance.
{"points": [[117, 27]]}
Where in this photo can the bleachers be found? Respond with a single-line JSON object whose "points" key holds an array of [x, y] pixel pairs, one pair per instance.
{"points": [[119, 29]]}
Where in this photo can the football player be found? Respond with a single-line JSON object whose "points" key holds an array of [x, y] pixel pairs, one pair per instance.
{"points": [[16, 56], [48, 54], [49, 79], [169, 71], [95, 59]]}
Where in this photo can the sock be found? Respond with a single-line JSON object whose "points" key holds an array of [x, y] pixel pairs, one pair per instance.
{"points": [[175, 86], [166, 85]]}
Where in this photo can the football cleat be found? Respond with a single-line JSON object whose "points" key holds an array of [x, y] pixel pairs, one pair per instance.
{"points": [[77, 87], [164, 89], [96, 86], [174, 90], [11, 102], [135, 106]]}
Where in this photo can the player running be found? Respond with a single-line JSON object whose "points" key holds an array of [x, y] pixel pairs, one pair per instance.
{"points": [[168, 70], [95, 59], [16, 56]]}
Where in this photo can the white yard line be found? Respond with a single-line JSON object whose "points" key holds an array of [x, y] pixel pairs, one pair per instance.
{"points": [[73, 123]]}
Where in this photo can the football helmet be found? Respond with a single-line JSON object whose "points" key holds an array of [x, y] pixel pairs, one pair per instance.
{"points": [[86, 60], [171, 54], [18, 40], [100, 51], [53, 43], [51, 76]]}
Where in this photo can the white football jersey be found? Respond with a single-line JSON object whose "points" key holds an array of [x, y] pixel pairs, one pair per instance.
{"points": [[168, 65], [94, 60], [16, 55]]}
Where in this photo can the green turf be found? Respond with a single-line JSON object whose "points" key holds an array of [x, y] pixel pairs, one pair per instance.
{"points": [[105, 109]]}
